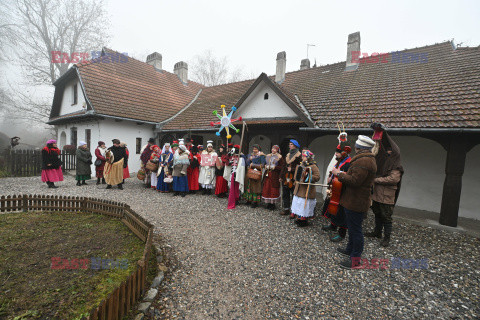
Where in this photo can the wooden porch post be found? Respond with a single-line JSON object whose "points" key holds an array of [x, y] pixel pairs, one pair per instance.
{"points": [[452, 187]]}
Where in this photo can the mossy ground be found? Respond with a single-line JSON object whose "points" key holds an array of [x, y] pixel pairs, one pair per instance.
{"points": [[31, 289]]}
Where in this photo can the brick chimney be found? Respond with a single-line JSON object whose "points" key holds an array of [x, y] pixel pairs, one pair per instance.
{"points": [[155, 59], [352, 45], [281, 66], [181, 70], [305, 64]]}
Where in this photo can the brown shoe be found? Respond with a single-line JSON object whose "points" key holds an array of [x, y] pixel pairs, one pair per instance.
{"points": [[285, 212]]}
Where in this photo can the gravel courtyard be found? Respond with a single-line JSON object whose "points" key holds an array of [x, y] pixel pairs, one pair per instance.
{"points": [[255, 264]]}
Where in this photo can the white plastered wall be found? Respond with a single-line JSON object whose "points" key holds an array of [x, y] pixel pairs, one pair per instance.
{"points": [[255, 106], [67, 99], [470, 198], [106, 130]]}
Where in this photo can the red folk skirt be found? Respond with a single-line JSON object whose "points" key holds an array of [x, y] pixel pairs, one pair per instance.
{"points": [[192, 175], [221, 185], [99, 170], [126, 173], [271, 188]]}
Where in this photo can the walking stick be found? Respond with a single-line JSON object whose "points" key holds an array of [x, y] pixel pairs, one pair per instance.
{"points": [[308, 189]]}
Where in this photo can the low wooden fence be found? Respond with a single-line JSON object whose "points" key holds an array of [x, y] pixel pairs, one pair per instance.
{"points": [[26, 163], [119, 301]]}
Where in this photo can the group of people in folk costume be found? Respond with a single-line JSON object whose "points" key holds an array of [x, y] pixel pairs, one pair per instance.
{"points": [[369, 179], [111, 165]]}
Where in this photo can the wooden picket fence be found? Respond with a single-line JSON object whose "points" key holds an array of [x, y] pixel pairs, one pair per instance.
{"points": [[119, 301], [26, 163]]}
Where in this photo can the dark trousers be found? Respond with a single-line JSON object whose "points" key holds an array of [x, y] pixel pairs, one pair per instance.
{"points": [[383, 217], [355, 234], [287, 197]]}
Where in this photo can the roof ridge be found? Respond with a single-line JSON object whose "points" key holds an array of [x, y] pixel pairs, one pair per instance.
{"points": [[404, 50]]}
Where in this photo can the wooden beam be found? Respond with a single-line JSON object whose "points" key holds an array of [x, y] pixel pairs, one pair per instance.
{"points": [[452, 186]]}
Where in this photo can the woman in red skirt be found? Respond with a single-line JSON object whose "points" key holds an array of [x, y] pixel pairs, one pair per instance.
{"points": [[100, 152], [193, 169], [51, 164], [126, 171], [221, 185], [271, 180]]}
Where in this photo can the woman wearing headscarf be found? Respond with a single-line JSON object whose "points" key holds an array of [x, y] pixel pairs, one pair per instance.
{"points": [[100, 153], [304, 195], [154, 158], [255, 160], [221, 185], [126, 170], [84, 160], [51, 164], [145, 155], [271, 180], [207, 169], [193, 169], [180, 165], [166, 160]]}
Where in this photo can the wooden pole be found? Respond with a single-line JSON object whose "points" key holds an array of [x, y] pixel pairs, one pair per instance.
{"points": [[241, 139]]}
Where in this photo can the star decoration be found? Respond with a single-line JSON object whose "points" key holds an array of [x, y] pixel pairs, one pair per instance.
{"points": [[225, 121]]}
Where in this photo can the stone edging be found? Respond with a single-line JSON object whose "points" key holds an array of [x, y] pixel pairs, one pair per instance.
{"points": [[151, 294]]}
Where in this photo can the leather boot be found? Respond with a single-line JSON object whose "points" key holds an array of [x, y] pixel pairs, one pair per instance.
{"points": [[98, 181], [78, 183], [374, 234], [103, 181], [386, 239]]}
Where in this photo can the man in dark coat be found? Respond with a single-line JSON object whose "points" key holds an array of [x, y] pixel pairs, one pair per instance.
{"points": [[114, 169], [342, 155], [356, 197], [387, 183], [292, 160]]}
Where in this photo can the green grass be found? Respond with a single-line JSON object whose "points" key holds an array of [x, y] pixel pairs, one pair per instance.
{"points": [[31, 289]]}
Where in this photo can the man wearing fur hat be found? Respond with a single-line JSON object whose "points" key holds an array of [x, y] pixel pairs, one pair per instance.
{"points": [[356, 197], [386, 184], [342, 156], [116, 161]]}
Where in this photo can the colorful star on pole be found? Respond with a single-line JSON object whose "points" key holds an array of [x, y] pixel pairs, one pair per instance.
{"points": [[225, 121]]}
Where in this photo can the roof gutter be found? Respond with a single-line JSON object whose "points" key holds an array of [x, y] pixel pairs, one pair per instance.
{"points": [[91, 113], [398, 130], [189, 130]]}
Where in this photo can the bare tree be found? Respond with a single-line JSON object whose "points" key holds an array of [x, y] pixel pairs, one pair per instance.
{"points": [[7, 28], [46, 27], [210, 70]]}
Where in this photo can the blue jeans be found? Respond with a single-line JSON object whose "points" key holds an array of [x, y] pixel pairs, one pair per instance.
{"points": [[355, 234]]}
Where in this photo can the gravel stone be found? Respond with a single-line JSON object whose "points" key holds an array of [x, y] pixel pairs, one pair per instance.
{"points": [[256, 264], [158, 279], [150, 295], [143, 307]]}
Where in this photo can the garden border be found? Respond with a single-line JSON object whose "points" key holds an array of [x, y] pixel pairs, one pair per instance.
{"points": [[119, 301]]}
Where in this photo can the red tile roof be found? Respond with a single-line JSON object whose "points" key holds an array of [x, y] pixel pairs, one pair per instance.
{"points": [[444, 92], [199, 114], [134, 90]]}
